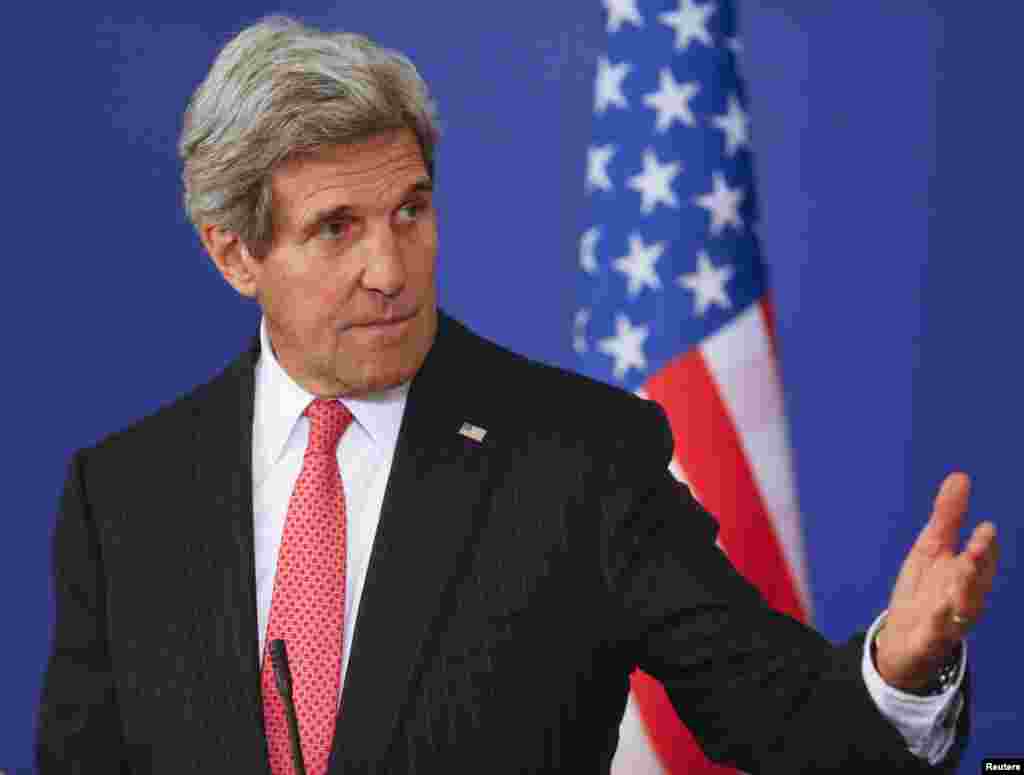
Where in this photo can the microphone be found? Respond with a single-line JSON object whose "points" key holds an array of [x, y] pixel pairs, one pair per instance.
{"points": [[283, 679]]}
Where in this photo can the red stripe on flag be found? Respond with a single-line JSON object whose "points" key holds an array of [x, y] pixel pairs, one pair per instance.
{"points": [[709, 451], [675, 746], [767, 306]]}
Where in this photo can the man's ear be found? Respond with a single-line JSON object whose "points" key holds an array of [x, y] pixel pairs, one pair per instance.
{"points": [[232, 258]]}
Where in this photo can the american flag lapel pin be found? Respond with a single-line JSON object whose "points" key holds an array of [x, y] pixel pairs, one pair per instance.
{"points": [[474, 432]]}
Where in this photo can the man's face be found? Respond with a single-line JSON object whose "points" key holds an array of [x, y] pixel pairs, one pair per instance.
{"points": [[354, 243]]}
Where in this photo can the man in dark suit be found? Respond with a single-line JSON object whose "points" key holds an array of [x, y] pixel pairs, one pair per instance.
{"points": [[466, 552]]}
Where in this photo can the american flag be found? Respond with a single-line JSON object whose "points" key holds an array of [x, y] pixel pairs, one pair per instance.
{"points": [[673, 304]]}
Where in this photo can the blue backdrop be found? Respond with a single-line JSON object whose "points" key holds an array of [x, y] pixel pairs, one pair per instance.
{"points": [[883, 135]]}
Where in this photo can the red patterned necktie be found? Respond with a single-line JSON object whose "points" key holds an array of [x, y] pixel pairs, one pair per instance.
{"points": [[308, 605]]}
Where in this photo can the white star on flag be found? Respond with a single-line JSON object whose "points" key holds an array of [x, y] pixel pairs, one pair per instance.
{"points": [[598, 157], [626, 347], [654, 184], [620, 11], [690, 22], [735, 125], [638, 264], [708, 283], [588, 246], [579, 330], [723, 203], [672, 101], [608, 84]]}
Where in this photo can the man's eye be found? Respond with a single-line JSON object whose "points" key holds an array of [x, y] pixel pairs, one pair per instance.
{"points": [[412, 211], [333, 229]]}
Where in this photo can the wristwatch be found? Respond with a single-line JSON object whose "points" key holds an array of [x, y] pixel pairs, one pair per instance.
{"points": [[946, 676]]}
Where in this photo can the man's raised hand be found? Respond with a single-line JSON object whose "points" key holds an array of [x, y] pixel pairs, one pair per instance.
{"points": [[939, 593]]}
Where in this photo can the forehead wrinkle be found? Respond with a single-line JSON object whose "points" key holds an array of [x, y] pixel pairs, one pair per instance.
{"points": [[303, 179], [380, 186], [378, 181]]}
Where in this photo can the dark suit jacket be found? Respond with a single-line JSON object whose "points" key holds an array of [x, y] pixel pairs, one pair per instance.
{"points": [[513, 586]]}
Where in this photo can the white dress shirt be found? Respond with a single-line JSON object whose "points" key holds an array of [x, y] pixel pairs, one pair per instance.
{"points": [[365, 453]]}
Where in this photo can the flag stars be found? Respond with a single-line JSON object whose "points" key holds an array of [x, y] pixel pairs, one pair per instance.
{"points": [[638, 265], [626, 347], [588, 250], [579, 330], [598, 158], [690, 22], [723, 203], [608, 84], [708, 283], [736, 126], [621, 11], [672, 101], [654, 183]]}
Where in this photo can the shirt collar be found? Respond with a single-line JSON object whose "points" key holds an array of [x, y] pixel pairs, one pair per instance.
{"points": [[280, 402]]}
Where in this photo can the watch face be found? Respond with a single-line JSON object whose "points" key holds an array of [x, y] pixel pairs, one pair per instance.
{"points": [[948, 674]]}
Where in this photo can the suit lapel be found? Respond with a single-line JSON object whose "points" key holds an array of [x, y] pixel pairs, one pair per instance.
{"points": [[437, 487], [222, 472]]}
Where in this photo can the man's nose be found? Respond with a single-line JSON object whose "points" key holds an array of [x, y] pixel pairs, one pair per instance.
{"points": [[385, 266]]}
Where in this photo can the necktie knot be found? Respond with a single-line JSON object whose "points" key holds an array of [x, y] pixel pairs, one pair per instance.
{"points": [[328, 419]]}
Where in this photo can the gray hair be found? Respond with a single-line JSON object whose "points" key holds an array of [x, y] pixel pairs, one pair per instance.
{"points": [[280, 89]]}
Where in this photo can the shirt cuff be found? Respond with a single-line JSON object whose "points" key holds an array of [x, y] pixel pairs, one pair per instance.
{"points": [[928, 724]]}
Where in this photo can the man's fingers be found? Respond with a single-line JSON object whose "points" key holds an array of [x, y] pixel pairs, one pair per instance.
{"points": [[982, 546], [982, 556], [939, 537], [975, 572], [948, 511], [940, 533]]}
